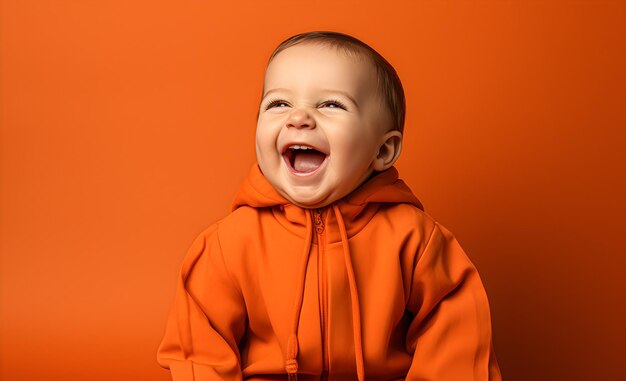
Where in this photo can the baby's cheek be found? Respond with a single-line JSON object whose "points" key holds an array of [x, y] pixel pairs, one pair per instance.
{"points": [[360, 152]]}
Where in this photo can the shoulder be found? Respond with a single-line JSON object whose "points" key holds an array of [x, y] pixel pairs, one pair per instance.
{"points": [[236, 233], [232, 227], [408, 217], [238, 224], [224, 240]]}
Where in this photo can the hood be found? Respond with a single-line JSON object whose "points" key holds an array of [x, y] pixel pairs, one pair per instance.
{"points": [[384, 187], [351, 214]]}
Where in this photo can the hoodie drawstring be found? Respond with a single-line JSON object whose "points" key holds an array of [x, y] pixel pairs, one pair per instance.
{"points": [[291, 364], [354, 297]]}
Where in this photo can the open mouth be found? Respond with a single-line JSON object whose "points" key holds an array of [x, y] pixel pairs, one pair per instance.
{"points": [[302, 159]]}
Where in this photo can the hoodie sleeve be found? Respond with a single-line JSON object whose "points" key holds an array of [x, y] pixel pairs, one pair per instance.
{"points": [[207, 318], [450, 334]]}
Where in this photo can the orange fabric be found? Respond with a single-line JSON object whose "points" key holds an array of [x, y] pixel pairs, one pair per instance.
{"points": [[369, 287]]}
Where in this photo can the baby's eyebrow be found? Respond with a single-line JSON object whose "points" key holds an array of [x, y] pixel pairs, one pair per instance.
{"points": [[274, 90]]}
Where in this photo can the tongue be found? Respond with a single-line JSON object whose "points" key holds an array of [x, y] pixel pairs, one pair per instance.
{"points": [[308, 161]]}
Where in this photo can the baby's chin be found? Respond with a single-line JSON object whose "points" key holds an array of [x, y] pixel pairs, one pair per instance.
{"points": [[316, 196], [314, 201]]}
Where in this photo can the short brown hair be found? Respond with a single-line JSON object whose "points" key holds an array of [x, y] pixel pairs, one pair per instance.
{"points": [[389, 84]]}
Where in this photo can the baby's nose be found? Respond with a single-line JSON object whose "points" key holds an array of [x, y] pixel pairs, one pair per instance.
{"points": [[300, 118]]}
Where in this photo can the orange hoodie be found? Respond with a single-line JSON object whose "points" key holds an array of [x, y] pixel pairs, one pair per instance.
{"points": [[369, 287]]}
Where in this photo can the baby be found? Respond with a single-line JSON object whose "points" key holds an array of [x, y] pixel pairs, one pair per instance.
{"points": [[328, 267]]}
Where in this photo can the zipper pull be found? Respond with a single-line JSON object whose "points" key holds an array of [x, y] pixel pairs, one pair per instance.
{"points": [[319, 223]]}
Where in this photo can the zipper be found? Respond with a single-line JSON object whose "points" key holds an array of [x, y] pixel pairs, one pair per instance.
{"points": [[319, 223], [321, 243]]}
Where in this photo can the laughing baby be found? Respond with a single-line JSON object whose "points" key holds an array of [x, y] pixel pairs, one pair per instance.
{"points": [[328, 267]]}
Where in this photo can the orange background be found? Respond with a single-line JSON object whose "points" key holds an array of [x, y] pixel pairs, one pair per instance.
{"points": [[127, 127]]}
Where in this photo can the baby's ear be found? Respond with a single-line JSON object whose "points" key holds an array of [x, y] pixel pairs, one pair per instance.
{"points": [[389, 150]]}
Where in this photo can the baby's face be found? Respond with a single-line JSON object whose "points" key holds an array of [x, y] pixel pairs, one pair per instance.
{"points": [[321, 124]]}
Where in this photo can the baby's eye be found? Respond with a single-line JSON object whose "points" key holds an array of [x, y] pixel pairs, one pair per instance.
{"points": [[334, 104], [277, 103]]}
